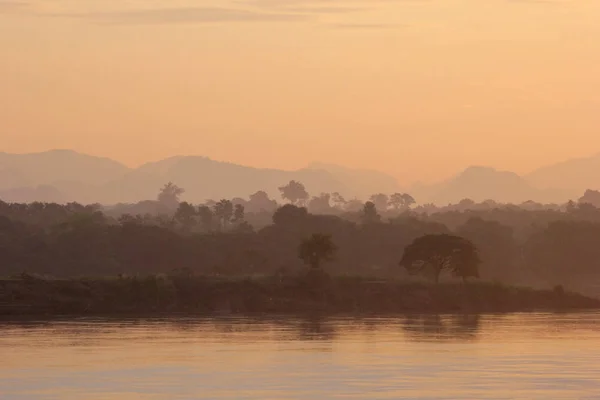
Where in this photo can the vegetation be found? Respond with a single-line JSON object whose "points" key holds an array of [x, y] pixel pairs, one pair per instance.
{"points": [[182, 292], [442, 252], [528, 244], [315, 249]]}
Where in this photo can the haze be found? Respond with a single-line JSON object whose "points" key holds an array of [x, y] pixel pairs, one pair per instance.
{"points": [[414, 88]]}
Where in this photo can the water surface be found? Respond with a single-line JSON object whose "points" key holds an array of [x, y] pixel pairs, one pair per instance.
{"points": [[527, 356]]}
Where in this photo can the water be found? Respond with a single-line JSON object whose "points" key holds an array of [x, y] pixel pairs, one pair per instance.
{"points": [[517, 356]]}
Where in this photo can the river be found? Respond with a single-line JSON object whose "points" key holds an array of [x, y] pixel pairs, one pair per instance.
{"points": [[525, 356]]}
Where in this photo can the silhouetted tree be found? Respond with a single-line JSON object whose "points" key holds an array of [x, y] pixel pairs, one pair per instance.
{"points": [[591, 197], [238, 214], [320, 204], [401, 201], [223, 210], [354, 205], [288, 215], [169, 195], [186, 216], [260, 201], [338, 200], [380, 200], [442, 252], [317, 248], [369, 213], [295, 192], [465, 204], [206, 218]]}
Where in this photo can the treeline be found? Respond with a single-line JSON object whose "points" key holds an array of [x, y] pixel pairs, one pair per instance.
{"points": [[545, 247]]}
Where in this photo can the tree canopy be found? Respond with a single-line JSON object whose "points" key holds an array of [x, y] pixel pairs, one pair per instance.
{"points": [[442, 252], [318, 247]]}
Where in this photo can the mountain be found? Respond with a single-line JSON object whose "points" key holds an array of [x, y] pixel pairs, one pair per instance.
{"points": [[574, 176], [65, 175], [365, 182], [479, 183], [203, 179], [49, 167]]}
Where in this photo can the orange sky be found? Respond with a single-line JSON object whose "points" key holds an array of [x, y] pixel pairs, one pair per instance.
{"points": [[418, 88]]}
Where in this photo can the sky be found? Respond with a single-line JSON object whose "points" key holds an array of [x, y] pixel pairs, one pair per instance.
{"points": [[416, 88]]}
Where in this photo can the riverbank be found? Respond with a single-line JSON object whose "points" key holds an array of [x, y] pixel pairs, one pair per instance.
{"points": [[312, 293]]}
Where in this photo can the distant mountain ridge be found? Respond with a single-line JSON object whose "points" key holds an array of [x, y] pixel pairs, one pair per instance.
{"points": [[575, 175], [480, 183], [66, 175]]}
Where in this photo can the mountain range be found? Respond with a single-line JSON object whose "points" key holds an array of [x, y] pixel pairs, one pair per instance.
{"points": [[66, 175]]}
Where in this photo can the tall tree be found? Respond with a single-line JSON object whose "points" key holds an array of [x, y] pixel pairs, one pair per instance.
{"points": [[295, 192], [401, 201], [320, 204], [223, 210], [380, 200], [338, 200], [591, 197], [440, 252], [169, 195], [206, 218], [260, 202], [370, 214], [238, 214], [186, 216]]}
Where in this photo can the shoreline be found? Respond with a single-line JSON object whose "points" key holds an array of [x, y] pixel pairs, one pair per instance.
{"points": [[163, 296]]}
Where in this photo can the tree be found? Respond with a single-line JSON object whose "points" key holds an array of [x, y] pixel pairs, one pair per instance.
{"points": [[320, 204], [318, 247], [465, 204], [338, 200], [380, 200], [289, 215], [442, 252], [354, 205], [260, 201], [401, 201], [591, 197], [206, 217], [169, 195], [369, 213], [295, 192], [186, 216], [238, 214], [223, 210]]}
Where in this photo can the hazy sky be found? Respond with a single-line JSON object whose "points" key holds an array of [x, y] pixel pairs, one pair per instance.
{"points": [[418, 88]]}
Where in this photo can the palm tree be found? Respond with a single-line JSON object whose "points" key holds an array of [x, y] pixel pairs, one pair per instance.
{"points": [[318, 247]]}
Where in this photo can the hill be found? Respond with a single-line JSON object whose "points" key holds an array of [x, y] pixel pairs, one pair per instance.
{"points": [[365, 182], [574, 176], [480, 183], [65, 175], [205, 179], [55, 167]]}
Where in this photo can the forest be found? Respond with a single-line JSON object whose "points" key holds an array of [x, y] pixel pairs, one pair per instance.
{"points": [[529, 244]]}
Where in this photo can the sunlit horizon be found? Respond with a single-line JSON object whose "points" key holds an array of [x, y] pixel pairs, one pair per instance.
{"points": [[417, 89]]}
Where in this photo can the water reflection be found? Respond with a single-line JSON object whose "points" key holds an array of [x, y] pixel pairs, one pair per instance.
{"points": [[315, 328], [438, 327], [537, 355]]}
